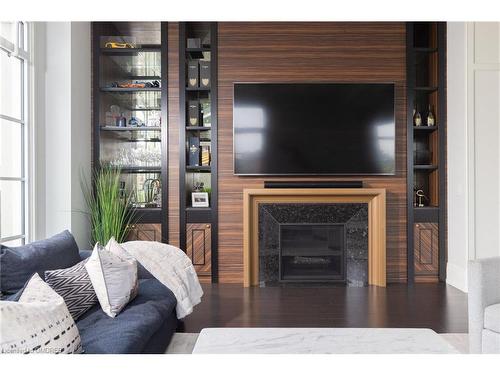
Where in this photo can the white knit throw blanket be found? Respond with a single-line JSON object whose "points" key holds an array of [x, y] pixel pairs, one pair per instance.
{"points": [[173, 268]]}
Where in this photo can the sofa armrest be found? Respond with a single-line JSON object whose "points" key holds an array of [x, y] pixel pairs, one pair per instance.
{"points": [[484, 290]]}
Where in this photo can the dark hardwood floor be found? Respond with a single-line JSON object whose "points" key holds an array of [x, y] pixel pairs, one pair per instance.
{"points": [[436, 306]]}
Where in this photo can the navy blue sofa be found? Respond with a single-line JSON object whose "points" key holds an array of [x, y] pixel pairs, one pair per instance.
{"points": [[145, 325]]}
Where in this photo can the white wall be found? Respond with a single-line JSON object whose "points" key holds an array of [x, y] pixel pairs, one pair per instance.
{"points": [[457, 154], [81, 121], [62, 127], [473, 146]]}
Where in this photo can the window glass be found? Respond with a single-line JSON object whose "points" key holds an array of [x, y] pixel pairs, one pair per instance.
{"points": [[10, 149], [10, 86], [14, 106], [8, 31], [11, 209]]}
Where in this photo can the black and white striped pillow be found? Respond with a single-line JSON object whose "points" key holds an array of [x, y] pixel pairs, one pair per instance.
{"points": [[74, 286]]}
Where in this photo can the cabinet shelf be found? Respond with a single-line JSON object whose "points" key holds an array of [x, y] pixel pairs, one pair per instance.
{"points": [[425, 167], [426, 88], [426, 208], [425, 49], [198, 208], [131, 89], [202, 100], [197, 88], [424, 128], [130, 51], [199, 168], [141, 151], [129, 128], [198, 128], [197, 53], [141, 170], [426, 151]]}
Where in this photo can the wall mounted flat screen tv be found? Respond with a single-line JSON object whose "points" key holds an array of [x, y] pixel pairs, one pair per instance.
{"points": [[314, 129]]}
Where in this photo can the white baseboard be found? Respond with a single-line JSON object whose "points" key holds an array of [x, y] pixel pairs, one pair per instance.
{"points": [[456, 276]]}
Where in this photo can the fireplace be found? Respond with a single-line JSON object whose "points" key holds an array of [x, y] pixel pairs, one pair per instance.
{"points": [[271, 214], [312, 252], [313, 242]]}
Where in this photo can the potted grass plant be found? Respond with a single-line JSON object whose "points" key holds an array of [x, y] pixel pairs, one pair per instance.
{"points": [[109, 208]]}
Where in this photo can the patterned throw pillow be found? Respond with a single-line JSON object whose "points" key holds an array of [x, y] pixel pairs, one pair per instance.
{"points": [[114, 279], [74, 285], [39, 323]]}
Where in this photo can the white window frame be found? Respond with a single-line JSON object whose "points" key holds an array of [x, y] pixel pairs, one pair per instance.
{"points": [[20, 49]]}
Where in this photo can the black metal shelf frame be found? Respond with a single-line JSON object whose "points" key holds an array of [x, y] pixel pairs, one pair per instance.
{"points": [[428, 213], [145, 215], [194, 214]]}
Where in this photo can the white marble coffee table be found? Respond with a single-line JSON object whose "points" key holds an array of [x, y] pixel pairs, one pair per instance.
{"points": [[320, 341]]}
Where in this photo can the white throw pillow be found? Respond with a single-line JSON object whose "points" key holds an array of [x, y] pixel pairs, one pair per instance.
{"points": [[114, 279], [116, 249], [39, 322]]}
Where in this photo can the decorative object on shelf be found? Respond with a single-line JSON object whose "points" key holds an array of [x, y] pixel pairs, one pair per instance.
{"points": [[206, 114], [208, 190], [121, 121], [129, 158], [205, 153], [135, 85], [154, 121], [123, 192], [417, 118], [135, 122], [110, 215], [118, 42], [194, 112], [431, 120], [204, 74], [152, 191], [118, 45], [193, 73], [194, 151], [199, 199], [112, 115], [193, 43], [198, 187], [205, 41], [420, 196]]}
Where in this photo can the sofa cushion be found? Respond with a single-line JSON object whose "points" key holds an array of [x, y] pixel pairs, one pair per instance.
{"points": [[39, 323], [114, 279], [130, 331], [74, 286], [18, 264], [492, 318], [142, 273]]}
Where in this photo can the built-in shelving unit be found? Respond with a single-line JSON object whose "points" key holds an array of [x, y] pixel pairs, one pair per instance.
{"points": [[129, 109], [426, 82], [198, 144]]}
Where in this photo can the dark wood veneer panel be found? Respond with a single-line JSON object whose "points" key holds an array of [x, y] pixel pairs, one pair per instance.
{"points": [[173, 132], [308, 52]]}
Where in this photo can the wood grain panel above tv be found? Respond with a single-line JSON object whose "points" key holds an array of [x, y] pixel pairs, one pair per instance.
{"points": [[309, 52]]}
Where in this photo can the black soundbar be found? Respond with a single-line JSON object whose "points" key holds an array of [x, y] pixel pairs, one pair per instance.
{"points": [[312, 184]]}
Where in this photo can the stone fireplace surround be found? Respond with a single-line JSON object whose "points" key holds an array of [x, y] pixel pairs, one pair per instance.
{"points": [[375, 202], [351, 217]]}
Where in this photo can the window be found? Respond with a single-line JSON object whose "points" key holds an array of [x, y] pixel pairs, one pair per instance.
{"points": [[14, 62]]}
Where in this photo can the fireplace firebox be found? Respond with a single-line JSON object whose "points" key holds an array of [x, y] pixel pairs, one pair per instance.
{"points": [[313, 242], [312, 252]]}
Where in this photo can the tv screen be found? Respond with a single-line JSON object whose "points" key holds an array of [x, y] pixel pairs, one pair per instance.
{"points": [[314, 129]]}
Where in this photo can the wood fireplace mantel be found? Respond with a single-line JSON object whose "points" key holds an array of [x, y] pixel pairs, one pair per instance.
{"points": [[375, 198]]}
